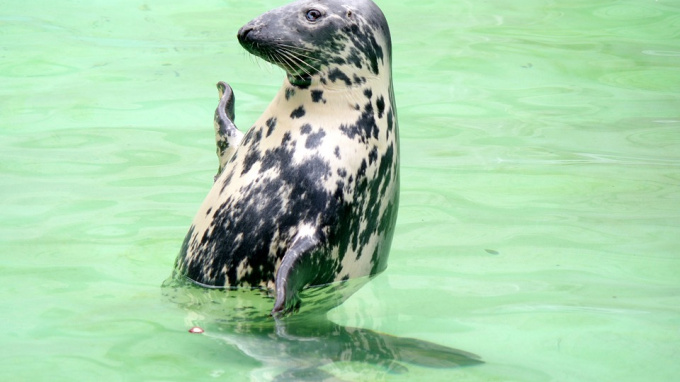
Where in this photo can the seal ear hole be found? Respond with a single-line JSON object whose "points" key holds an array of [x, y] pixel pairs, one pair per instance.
{"points": [[349, 13]]}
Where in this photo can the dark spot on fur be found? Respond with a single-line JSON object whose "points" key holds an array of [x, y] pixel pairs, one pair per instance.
{"points": [[317, 95], [362, 169], [336, 74], [337, 152], [338, 60], [380, 103], [365, 127], [286, 138], [306, 129], [271, 124], [373, 155], [289, 93], [298, 113], [252, 157], [355, 57], [368, 93], [315, 139], [367, 47], [253, 137], [390, 120]]}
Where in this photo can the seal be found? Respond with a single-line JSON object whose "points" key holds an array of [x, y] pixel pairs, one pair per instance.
{"points": [[309, 195]]}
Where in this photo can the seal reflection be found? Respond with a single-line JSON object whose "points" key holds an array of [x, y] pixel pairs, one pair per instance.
{"points": [[306, 346]]}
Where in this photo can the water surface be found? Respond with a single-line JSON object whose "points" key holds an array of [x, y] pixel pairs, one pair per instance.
{"points": [[539, 220]]}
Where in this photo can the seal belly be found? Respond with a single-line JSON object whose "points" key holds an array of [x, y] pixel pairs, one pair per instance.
{"points": [[295, 176]]}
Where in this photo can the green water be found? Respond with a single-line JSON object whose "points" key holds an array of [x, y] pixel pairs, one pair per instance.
{"points": [[540, 209]]}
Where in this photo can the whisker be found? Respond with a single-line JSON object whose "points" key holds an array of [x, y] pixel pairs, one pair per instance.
{"points": [[292, 63], [295, 47], [292, 58], [271, 59], [276, 57], [298, 54], [285, 60], [301, 62]]}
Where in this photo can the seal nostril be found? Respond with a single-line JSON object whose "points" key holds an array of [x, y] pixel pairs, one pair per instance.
{"points": [[243, 32]]}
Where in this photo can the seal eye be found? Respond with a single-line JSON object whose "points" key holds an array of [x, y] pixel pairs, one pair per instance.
{"points": [[313, 15]]}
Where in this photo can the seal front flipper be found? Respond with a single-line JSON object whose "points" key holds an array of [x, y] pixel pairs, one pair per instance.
{"points": [[295, 272], [225, 109], [227, 136]]}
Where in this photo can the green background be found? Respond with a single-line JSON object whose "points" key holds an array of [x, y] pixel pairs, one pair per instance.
{"points": [[540, 209]]}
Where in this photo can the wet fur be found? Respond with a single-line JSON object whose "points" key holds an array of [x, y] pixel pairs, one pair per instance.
{"points": [[309, 195]]}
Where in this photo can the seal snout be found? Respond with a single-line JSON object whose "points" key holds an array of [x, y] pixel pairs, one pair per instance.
{"points": [[243, 33]]}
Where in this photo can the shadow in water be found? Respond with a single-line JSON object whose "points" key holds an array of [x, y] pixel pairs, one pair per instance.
{"points": [[305, 346]]}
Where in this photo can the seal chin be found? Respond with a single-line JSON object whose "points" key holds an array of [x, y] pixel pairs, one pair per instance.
{"points": [[302, 81]]}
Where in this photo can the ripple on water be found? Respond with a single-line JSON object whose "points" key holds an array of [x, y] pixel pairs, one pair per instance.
{"points": [[628, 12], [66, 139], [126, 341], [88, 151], [154, 156], [251, 306], [540, 188], [664, 53], [653, 79], [109, 231], [661, 135], [37, 68]]}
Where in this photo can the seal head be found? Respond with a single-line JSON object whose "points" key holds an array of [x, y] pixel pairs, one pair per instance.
{"points": [[306, 36]]}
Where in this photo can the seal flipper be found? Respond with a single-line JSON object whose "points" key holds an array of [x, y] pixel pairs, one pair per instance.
{"points": [[227, 136], [227, 101], [294, 273]]}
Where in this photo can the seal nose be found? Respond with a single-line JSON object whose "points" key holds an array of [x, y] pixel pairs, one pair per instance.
{"points": [[243, 33]]}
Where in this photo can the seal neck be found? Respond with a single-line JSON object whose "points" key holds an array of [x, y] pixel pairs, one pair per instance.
{"points": [[340, 78]]}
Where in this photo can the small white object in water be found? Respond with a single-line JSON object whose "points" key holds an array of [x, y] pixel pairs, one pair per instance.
{"points": [[197, 330]]}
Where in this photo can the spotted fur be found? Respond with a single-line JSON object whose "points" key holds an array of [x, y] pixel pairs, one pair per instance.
{"points": [[309, 195]]}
